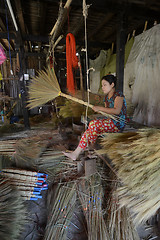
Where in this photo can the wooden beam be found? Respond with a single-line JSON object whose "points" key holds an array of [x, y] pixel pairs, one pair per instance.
{"points": [[101, 25], [20, 50], [33, 38], [19, 14], [4, 44], [61, 19], [4, 35], [2, 25], [120, 50]]}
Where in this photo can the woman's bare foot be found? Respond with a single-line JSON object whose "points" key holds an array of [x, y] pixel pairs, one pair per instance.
{"points": [[70, 155], [73, 155]]}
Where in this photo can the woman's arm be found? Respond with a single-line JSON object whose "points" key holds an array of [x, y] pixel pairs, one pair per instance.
{"points": [[118, 103]]}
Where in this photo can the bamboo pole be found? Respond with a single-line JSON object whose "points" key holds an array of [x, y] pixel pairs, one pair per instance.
{"points": [[59, 20]]}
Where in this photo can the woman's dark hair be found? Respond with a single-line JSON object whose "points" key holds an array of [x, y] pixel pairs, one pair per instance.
{"points": [[110, 78]]}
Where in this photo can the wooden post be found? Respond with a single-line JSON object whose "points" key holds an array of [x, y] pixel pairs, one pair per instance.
{"points": [[120, 52], [20, 50], [80, 166], [90, 167]]}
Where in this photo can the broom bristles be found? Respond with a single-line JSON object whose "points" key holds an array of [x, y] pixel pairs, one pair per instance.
{"points": [[43, 88]]}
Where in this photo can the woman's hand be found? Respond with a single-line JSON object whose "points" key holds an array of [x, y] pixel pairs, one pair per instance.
{"points": [[97, 108]]}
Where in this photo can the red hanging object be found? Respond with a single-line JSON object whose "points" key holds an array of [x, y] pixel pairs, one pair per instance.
{"points": [[72, 61]]}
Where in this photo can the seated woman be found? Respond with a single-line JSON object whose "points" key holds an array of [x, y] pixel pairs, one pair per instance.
{"points": [[115, 103]]}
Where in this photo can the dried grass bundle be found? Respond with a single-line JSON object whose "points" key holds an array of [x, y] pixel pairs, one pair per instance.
{"points": [[29, 149], [91, 197], [60, 213], [55, 164], [12, 211], [29, 183], [119, 221], [7, 147], [136, 156], [45, 88]]}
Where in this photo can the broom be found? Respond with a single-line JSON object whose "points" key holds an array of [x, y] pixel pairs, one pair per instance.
{"points": [[45, 88]]}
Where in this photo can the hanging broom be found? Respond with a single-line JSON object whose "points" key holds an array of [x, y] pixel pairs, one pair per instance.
{"points": [[45, 88]]}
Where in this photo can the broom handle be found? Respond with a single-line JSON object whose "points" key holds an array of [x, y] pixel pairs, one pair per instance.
{"points": [[84, 103], [76, 100]]}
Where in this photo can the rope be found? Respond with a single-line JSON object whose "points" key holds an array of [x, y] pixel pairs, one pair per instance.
{"points": [[72, 61], [85, 14]]}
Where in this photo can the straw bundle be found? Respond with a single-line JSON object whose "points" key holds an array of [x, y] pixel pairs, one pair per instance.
{"points": [[91, 197], [28, 150], [58, 169], [12, 211], [7, 147], [136, 156], [60, 213], [119, 221], [29, 183], [104, 218], [45, 87]]}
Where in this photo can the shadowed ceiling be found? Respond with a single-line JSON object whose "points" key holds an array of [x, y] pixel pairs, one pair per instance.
{"points": [[35, 20]]}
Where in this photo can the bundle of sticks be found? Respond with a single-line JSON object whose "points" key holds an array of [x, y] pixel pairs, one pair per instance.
{"points": [[7, 147], [29, 183]]}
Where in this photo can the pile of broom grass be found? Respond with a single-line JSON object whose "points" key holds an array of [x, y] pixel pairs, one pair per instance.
{"points": [[136, 159], [105, 219]]}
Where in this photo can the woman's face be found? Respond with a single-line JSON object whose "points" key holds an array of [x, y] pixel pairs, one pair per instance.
{"points": [[106, 86]]}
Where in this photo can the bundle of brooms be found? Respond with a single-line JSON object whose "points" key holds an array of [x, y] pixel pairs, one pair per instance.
{"points": [[45, 87], [136, 156]]}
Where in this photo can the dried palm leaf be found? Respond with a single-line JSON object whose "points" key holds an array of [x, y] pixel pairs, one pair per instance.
{"points": [[136, 157], [45, 87]]}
